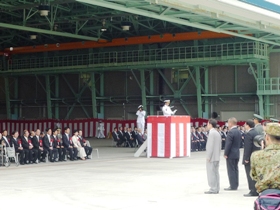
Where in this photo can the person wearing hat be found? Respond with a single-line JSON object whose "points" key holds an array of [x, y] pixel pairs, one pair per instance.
{"points": [[141, 113], [265, 168], [258, 126], [249, 148], [166, 109], [100, 130]]}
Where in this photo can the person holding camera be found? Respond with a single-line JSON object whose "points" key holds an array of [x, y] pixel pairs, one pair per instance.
{"points": [[141, 118], [265, 168]]}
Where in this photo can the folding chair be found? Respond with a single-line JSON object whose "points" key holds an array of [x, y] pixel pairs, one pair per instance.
{"points": [[96, 149]]}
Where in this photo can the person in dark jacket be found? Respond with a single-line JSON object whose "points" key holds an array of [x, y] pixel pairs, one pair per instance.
{"points": [[249, 148], [232, 153]]}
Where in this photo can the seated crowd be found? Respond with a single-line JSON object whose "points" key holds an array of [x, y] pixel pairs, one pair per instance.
{"points": [[199, 136], [35, 147], [129, 138]]}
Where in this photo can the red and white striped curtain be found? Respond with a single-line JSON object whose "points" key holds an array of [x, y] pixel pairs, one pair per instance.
{"points": [[88, 126]]}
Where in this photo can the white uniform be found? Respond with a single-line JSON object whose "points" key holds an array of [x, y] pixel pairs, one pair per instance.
{"points": [[141, 120], [167, 111], [100, 133]]}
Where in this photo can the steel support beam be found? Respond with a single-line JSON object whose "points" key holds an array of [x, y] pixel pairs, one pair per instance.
{"points": [[198, 91], [206, 88], [152, 92], [143, 88], [16, 97], [102, 85], [43, 31], [56, 111], [7, 94], [49, 102], [93, 95], [180, 21]]}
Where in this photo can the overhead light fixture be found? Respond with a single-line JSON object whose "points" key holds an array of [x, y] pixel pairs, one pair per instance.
{"points": [[33, 37], [103, 26], [44, 9], [126, 26]]}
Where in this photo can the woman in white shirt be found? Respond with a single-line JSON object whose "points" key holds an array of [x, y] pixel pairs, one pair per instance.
{"points": [[81, 150]]}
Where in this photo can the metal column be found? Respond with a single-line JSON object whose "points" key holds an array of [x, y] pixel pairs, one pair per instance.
{"points": [[206, 88], [49, 102], [102, 113], [16, 97], [143, 88], [93, 96], [198, 91], [56, 96], [7, 94], [152, 92]]}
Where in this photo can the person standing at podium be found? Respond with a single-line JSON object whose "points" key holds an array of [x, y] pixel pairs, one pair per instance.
{"points": [[141, 113], [166, 109]]}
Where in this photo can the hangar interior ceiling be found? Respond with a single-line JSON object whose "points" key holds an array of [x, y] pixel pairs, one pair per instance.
{"points": [[86, 37]]}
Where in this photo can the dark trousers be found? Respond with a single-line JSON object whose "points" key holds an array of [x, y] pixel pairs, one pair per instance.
{"points": [[232, 170], [30, 155], [73, 152], [52, 154], [21, 155], [251, 183], [41, 154], [88, 150], [61, 153]]}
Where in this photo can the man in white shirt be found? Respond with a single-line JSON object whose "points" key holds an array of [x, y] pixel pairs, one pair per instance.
{"points": [[166, 109], [141, 118]]}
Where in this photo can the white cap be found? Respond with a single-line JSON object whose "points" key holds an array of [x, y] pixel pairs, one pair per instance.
{"points": [[140, 106], [166, 101]]}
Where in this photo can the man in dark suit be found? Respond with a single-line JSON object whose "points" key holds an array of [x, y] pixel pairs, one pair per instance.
{"points": [[5, 139], [48, 143], [83, 142], [38, 145], [67, 144], [58, 145], [249, 148], [129, 137], [117, 138], [232, 153], [27, 145], [18, 147]]}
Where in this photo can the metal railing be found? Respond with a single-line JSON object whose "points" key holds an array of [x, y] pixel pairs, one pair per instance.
{"points": [[227, 51], [269, 86]]}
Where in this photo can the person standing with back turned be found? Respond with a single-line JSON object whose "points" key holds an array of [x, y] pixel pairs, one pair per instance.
{"points": [[213, 151], [232, 153]]}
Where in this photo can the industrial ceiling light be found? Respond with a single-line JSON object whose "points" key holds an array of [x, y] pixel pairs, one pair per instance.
{"points": [[125, 26], [33, 37], [103, 26], [44, 9]]}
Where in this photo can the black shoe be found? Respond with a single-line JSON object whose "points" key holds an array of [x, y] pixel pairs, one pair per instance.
{"points": [[210, 192], [31, 162], [229, 189], [43, 160], [72, 159], [250, 194], [22, 164]]}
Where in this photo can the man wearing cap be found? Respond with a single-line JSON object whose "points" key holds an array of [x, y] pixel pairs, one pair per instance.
{"points": [[141, 118], [167, 110], [265, 168], [249, 148], [258, 126]]}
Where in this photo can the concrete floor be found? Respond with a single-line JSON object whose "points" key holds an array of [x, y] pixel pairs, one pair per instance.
{"points": [[119, 181]]}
